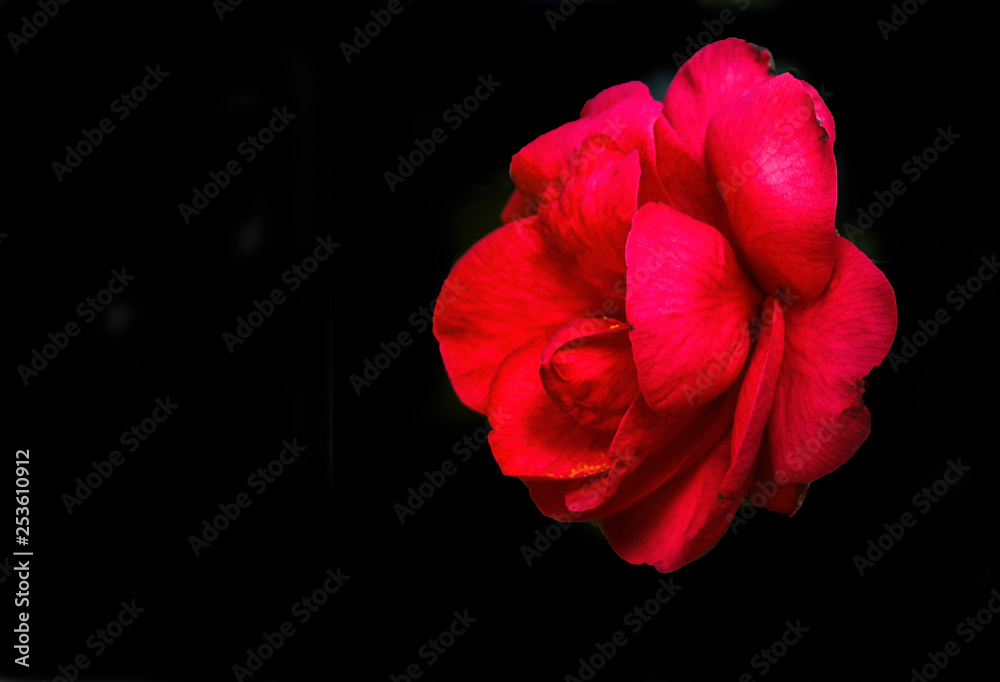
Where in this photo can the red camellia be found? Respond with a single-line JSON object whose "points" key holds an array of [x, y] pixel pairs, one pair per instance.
{"points": [[667, 322]]}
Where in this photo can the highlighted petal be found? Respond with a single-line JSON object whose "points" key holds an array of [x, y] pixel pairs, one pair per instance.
{"points": [[689, 304], [775, 168]]}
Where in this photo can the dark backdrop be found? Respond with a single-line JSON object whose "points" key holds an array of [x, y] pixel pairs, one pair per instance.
{"points": [[223, 69]]}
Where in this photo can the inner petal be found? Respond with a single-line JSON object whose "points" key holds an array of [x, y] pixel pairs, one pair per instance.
{"points": [[689, 303], [588, 372]]}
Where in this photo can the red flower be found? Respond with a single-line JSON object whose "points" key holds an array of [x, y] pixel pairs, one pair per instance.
{"points": [[668, 321]]}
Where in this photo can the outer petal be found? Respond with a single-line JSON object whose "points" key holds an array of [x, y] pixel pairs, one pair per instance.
{"points": [[776, 170], [520, 205], [625, 113], [590, 214], [606, 100], [689, 303], [679, 522], [587, 370], [649, 450], [772, 490], [822, 111], [510, 288], [756, 395], [534, 438], [716, 75], [549, 495], [818, 419]]}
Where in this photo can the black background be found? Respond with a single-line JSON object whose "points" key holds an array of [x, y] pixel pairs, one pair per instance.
{"points": [[334, 507]]}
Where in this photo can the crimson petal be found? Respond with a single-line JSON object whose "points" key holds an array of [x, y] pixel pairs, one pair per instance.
{"points": [[532, 437], [776, 170], [689, 304], [588, 372], [818, 419], [756, 395], [682, 520], [716, 75], [510, 288]]}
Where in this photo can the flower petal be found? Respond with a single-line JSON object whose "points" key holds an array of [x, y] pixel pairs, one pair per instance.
{"points": [[776, 170], [520, 205], [689, 304], [532, 437], [716, 75], [625, 113], [511, 287], [549, 495], [650, 449], [818, 419], [679, 522], [587, 370], [687, 184], [756, 395], [628, 93], [772, 490], [590, 214], [822, 111]]}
